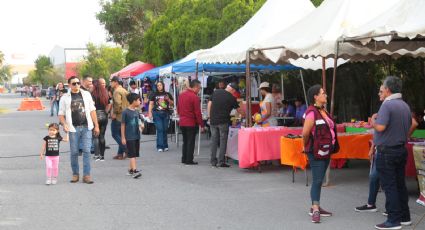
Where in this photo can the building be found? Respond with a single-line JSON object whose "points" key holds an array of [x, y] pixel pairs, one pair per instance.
{"points": [[66, 60]]}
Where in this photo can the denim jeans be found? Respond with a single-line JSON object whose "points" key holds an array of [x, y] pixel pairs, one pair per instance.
{"points": [[391, 163], [81, 135], [116, 134], [219, 135], [162, 120], [373, 183], [54, 109], [318, 171]]}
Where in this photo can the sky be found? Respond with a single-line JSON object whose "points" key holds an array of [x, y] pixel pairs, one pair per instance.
{"points": [[30, 28]]}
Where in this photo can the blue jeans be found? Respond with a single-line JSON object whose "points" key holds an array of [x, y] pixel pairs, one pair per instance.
{"points": [[54, 109], [318, 171], [116, 134], [391, 163], [162, 120], [373, 183], [82, 135]]}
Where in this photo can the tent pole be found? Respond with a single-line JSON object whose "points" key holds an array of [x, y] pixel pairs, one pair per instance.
{"points": [[302, 81], [328, 170], [334, 78], [202, 104], [248, 120], [176, 130], [281, 86], [196, 70], [259, 80], [324, 73]]}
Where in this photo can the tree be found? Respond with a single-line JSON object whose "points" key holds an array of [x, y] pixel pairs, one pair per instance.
{"points": [[317, 2], [101, 61], [5, 73], [127, 19], [1, 58], [44, 73], [189, 25]]}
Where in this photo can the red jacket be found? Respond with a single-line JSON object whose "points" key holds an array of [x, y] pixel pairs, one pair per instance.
{"points": [[189, 109]]}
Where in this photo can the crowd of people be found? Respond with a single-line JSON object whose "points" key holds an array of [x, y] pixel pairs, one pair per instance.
{"points": [[85, 109]]}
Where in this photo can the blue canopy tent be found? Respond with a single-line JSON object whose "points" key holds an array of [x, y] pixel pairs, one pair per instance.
{"points": [[190, 67], [153, 74]]}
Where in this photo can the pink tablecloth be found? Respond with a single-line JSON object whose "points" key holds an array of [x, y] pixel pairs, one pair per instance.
{"points": [[261, 144]]}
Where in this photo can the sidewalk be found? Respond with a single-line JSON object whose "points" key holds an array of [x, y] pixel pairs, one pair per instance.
{"points": [[169, 195]]}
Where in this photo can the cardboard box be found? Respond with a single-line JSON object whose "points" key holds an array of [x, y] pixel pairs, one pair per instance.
{"points": [[421, 181], [419, 156]]}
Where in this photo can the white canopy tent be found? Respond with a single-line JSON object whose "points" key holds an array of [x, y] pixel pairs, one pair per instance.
{"points": [[316, 34], [398, 31]]}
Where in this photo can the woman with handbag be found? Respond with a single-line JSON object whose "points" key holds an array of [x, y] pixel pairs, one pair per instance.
{"points": [[320, 141], [101, 100]]}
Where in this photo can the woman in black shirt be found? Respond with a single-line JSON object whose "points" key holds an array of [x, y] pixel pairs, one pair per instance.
{"points": [[101, 102], [160, 104]]}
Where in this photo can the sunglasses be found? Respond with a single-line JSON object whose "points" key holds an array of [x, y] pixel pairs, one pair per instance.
{"points": [[75, 83]]}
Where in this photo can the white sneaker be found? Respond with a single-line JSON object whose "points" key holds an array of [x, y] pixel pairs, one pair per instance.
{"points": [[49, 181], [166, 149], [54, 180], [160, 150], [406, 223]]}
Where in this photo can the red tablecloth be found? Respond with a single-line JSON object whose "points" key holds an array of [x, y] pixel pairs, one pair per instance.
{"points": [[410, 170]]}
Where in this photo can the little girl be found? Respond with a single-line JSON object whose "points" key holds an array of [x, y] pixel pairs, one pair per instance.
{"points": [[50, 148]]}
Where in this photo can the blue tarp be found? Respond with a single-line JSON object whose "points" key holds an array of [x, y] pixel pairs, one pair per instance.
{"points": [[153, 74], [190, 67]]}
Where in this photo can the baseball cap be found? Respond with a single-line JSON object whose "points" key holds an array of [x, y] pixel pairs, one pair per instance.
{"points": [[116, 78], [234, 86], [264, 85]]}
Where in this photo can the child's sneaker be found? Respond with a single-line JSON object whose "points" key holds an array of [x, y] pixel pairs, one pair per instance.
{"points": [[49, 181], [102, 158], [54, 180], [130, 172], [136, 174]]}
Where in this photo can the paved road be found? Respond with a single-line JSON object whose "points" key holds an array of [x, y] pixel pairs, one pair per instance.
{"points": [[169, 195]]}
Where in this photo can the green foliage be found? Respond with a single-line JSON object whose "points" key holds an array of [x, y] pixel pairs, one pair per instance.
{"points": [[317, 2], [101, 61], [127, 19], [1, 58], [44, 73], [189, 25], [5, 73]]}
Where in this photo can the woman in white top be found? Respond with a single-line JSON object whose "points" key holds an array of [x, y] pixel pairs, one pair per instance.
{"points": [[267, 106]]}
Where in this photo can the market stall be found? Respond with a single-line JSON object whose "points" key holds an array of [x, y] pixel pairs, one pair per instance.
{"points": [[352, 146], [262, 144]]}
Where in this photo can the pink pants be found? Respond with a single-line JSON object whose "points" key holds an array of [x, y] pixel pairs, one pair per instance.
{"points": [[52, 166]]}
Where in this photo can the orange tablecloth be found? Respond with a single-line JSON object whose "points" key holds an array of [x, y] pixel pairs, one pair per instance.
{"points": [[351, 147]]}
